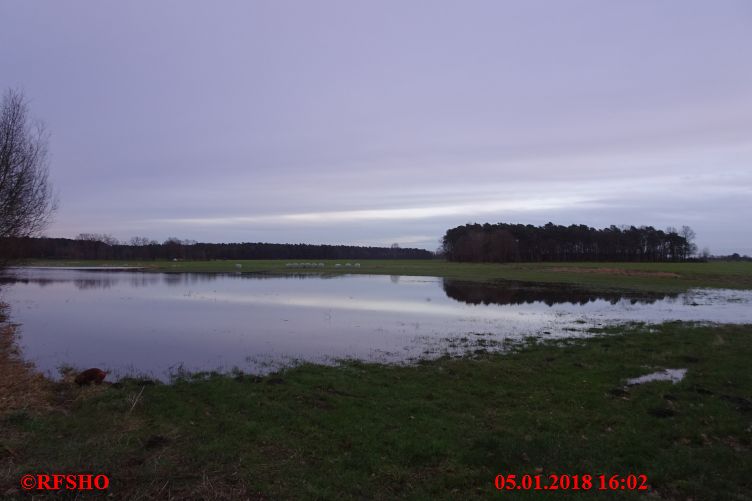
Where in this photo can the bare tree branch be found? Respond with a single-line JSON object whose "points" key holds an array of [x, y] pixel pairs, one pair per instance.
{"points": [[26, 199]]}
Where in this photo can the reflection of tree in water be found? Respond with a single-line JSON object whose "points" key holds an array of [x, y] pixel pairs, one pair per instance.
{"points": [[42, 282], [292, 276], [79, 283], [526, 293], [105, 279], [173, 279], [143, 280], [92, 283], [181, 278]]}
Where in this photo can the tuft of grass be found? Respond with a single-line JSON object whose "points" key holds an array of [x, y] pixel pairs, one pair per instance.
{"points": [[440, 429], [22, 388]]}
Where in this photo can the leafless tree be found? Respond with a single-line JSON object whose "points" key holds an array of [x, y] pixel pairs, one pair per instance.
{"points": [[26, 198], [140, 241], [689, 235], [98, 237]]}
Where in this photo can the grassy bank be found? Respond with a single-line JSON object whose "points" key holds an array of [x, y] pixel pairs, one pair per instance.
{"points": [[441, 429], [668, 277]]}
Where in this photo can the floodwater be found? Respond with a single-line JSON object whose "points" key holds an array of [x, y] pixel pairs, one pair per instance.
{"points": [[157, 324], [673, 375]]}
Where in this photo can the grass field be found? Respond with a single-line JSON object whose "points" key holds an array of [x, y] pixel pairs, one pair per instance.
{"points": [[437, 430], [670, 277]]}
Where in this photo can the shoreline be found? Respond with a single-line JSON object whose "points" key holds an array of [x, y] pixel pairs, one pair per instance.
{"points": [[631, 276]]}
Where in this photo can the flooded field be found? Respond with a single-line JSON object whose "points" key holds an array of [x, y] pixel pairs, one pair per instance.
{"points": [[157, 324]]}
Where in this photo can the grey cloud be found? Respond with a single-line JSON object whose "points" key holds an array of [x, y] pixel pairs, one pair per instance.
{"points": [[363, 122]]}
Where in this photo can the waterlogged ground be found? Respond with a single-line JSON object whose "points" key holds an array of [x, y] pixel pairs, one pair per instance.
{"points": [[156, 324]]}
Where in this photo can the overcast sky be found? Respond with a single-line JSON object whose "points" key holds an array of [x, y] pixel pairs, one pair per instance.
{"points": [[373, 122]]}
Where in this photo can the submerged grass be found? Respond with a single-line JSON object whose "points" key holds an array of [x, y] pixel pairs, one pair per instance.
{"points": [[439, 429], [668, 277]]}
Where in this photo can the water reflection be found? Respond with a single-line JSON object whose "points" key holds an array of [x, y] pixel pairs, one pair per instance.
{"points": [[145, 323], [510, 293], [107, 278]]}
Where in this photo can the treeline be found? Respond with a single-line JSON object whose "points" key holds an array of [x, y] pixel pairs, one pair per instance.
{"points": [[732, 257], [104, 247], [517, 242]]}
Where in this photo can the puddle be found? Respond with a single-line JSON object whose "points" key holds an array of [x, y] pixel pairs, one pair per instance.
{"points": [[673, 375]]}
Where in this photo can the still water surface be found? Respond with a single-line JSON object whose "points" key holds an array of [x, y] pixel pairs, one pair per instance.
{"points": [[156, 324]]}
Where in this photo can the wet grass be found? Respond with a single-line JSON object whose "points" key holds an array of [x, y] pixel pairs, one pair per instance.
{"points": [[441, 429], [660, 277]]}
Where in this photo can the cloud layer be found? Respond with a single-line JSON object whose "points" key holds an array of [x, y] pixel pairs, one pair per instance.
{"points": [[389, 121]]}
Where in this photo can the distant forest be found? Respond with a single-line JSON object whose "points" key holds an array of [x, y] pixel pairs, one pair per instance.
{"points": [[503, 242], [88, 246]]}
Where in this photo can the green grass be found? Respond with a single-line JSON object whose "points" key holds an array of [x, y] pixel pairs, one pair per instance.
{"points": [[634, 276], [437, 430]]}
